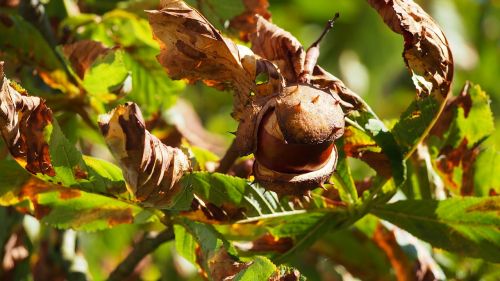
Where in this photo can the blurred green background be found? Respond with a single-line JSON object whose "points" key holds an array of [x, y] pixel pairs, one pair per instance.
{"points": [[362, 52]]}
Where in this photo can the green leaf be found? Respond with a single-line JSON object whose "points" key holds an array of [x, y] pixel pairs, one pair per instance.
{"points": [[477, 123], [88, 211], [414, 123], [220, 189], [357, 252], [185, 243], [73, 170], [218, 257], [106, 74], [468, 226], [343, 177], [486, 171], [260, 269], [64, 207], [151, 87]]}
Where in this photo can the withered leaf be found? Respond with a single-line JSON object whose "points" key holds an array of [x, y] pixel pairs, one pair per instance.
{"points": [[83, 53], [188, 125], [23, 120], [386, 241], [192, 49], [267, 243], [462, 157], [151, 168], [223, 266], [426, 51], [280, 47]]}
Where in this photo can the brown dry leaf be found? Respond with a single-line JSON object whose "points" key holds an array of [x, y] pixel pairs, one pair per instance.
{"points": [[83, 53], [188, 125], [151, 168], [23, 120], [265, 244], [386, 241], [192, 49], [426, 52], [223, 266], [347, 98], [213, 214], [459, 157], [463, 100], [279, 46]]}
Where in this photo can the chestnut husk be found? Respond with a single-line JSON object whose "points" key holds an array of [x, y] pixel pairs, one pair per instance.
{"points": [[302, 119]]}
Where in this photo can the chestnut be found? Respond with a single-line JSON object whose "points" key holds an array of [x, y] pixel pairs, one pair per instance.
{"points": [[294, 149]]}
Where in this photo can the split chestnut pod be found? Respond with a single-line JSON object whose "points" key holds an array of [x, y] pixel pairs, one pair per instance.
{"points": [[295, 140]]}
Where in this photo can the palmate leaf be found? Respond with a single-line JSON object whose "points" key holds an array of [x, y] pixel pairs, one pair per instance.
{"points": [[464, 160], [247, 212], [201, 243], [36, 142], [468, 226], [64, 207]]}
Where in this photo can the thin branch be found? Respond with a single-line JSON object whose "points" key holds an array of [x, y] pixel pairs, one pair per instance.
{"points": [[228, 160], [328, 26], [312, 53], [141, 249]]}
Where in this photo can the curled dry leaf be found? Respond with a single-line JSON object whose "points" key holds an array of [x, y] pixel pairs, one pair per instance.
{"points": [[192, 49], [426, 51], [280, 47], [428, 57], [188, 125], [23, 120], [151, 168]]}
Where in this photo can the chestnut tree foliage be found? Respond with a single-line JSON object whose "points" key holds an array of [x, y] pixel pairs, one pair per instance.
{"points": [[97, 140]]}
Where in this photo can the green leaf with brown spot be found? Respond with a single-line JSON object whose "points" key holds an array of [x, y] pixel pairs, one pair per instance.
{"points": [[64, 207], [468, 226]]}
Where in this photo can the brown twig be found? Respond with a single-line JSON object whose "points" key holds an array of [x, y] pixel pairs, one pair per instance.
{"points": [[228, 160], [141, 249], [312, 53]]}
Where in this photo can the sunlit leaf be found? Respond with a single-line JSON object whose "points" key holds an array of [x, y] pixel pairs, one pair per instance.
{"points": [[466, 122], [151, 87], [64, 207], [429, 59], [36, 142], [468, 226], [151, 168]]}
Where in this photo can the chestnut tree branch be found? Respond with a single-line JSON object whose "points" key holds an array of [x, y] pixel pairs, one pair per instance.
{"points": [[144, 247], [228, 159]]}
